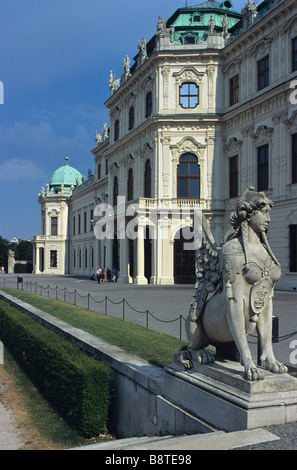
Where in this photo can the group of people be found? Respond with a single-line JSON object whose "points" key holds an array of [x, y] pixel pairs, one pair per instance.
{"points": [[108, 275]]}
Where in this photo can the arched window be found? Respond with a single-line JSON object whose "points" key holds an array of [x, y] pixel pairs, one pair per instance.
{"points": [[130, 185], [148, 179], [116, 129], [115, 190], [131, 118], [148, 104], [188, 95], [188, 177]]}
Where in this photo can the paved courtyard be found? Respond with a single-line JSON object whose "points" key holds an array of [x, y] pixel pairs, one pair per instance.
{"points": [[163, 308]]}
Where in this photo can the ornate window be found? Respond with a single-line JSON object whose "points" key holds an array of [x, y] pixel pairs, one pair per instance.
{"points": [[116, 130], [148, 179], [188, 177], [130, 185], [188, 95], [263, 72], [115, 190], [54, 225], [53, 258], [233, 176], [131, 118], [294, 54], [91, 220], [148, 104], [263, 167], [85, 222], [189, 39], [234, 90], [294, 158]]}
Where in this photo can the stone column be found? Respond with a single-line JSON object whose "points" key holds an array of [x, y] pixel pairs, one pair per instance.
{"points": [[37, 260], [124, 260], [140, 278]]}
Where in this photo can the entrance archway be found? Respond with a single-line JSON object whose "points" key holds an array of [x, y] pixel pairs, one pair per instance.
{"points": [[147, 255], [184, 261]]}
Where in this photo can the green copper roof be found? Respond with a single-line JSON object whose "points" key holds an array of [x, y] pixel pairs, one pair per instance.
{"points": [[66, 175], [193, 21]]}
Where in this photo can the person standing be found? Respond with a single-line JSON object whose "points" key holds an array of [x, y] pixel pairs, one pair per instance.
{"points": [[98, 274]]}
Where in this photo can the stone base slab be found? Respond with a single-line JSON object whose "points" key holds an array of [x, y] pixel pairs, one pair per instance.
{"points": [[218, 394]]}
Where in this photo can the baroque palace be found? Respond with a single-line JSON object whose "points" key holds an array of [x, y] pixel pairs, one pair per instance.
{"points": [[208, 108]]}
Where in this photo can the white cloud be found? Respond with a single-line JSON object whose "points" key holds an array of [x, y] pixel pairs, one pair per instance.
{"points": [[17, 169]]}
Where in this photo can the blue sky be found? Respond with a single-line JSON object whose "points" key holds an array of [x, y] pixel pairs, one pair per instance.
{"points": [[55, 59]]}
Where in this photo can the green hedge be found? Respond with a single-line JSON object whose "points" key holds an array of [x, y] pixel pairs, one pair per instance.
{"points": [[76, 385]]}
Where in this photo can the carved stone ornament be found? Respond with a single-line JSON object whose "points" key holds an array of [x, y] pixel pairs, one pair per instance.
{"points": [[188, 74], [234, 289]]}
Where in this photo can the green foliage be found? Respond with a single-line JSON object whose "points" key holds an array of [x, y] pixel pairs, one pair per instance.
{"points": [[77, 386], [24, 250], [4, 247], [20, 268]]}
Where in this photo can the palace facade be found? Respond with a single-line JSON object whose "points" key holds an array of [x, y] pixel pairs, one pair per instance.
{"points": [[208, 108]]}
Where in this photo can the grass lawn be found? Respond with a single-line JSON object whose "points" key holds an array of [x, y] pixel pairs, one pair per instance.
{"points": [[157, 348]]}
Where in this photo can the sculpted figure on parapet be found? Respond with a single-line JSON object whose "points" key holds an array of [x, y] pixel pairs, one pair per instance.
{"points": [[234, 290]]}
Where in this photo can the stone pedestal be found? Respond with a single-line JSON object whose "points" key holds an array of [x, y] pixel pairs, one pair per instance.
{"points": [[219, 395]]}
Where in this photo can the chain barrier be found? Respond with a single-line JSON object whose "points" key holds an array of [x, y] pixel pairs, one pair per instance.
{"points": [[275, 336], [90, 297]]}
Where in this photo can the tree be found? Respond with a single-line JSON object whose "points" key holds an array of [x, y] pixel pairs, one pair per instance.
{"points": [[4, 247], [23, 250]]}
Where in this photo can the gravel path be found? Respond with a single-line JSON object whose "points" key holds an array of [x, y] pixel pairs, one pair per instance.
{"points": [[10, 435]]}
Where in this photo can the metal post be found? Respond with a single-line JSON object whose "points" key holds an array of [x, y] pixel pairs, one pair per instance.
{"points": [[180, 327], [275, 329]]}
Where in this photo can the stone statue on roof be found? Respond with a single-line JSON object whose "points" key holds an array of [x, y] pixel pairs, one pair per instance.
{"points": [[211, 25], [225, 23], [142, 48], [98, 138], [114, 83]]}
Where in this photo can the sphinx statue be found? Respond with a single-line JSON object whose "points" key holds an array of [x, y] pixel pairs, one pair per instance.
{"points": [[234, 290]]}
